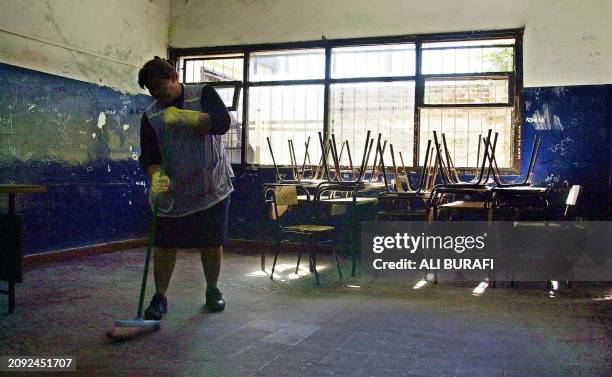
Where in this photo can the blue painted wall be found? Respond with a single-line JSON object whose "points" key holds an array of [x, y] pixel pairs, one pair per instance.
{"points": [[97, 189], [575, 123]]}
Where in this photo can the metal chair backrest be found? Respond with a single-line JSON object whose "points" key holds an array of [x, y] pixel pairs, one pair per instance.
{"points": [[376, 164], [324, 151], [425, 172], [294, 168], [283, 198], [350, 158], [450, 164], [278, 176], [366, 155], [306, 157], [336, 157], [489, 156], [530, 170], [571, 201], [398, 182], [572, 196], [444, 166]]}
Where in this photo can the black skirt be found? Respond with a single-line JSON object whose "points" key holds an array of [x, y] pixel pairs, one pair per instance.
{"points": [[206, 228]]}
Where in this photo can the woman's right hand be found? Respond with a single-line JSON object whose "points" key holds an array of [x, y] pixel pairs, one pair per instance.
{"points": [[159, 183]]}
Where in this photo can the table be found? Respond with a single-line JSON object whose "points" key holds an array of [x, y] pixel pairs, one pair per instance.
{"points": [[12, 191]]}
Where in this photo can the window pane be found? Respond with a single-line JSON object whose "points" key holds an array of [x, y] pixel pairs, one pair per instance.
{"points": [[471, 42], [284, 113], [233, 138], [467, 60], [226, 94], [228, 68], [386, 108], [373, 61], [466, 91], [462, 127], [287, 65]]}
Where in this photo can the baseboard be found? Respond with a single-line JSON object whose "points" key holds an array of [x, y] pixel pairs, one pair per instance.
{"points": [[34, 260], [236, 245]]}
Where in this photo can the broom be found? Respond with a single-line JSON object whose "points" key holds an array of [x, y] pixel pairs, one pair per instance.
{"points": [[131, 328]]}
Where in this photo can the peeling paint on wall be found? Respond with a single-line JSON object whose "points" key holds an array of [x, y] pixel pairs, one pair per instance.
{"points": [[565, 42], [102, 47]]}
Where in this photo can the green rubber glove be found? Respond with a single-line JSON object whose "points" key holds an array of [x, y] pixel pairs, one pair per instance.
{"points": [[159, 183], [174, 116]]}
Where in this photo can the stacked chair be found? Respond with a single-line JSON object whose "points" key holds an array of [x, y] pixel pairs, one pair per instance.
{"points": [[478, 188], [397, 202]]}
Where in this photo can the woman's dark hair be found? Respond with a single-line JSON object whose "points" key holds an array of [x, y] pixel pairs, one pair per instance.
{"points": [[156, 67]]}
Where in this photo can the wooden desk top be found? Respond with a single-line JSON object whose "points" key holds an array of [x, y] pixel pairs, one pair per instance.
{"points": [[22, 189]]}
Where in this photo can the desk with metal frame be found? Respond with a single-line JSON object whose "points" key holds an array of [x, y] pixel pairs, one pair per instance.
{"points": [[12, 191]]}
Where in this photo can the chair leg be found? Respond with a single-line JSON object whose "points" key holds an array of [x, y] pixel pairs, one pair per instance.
{"points": [[11, 297], [353, 262], [274, 265], [314, 267], [263, 257], [297, 266], [337, 263]]}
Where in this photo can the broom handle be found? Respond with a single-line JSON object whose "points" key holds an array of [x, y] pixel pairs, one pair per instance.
{"points": [[151, 238]]}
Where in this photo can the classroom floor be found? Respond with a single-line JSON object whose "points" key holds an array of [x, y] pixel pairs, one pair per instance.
{"points": [[290, 327]]}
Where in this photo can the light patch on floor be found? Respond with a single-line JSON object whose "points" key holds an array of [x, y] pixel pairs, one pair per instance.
{"points": [[285, 272], [288, 333], [479, 290]]}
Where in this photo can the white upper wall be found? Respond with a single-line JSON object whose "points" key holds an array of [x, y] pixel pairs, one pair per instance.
{"points": [[103, 42], [566, 42]]}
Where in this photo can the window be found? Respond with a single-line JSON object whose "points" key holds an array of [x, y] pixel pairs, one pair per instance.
{"points": [[373, 61], [225, 73], [405, 87], [467, 89], [382, 107], [366, 102], [287, 65], [283, 113], [282, 110]]}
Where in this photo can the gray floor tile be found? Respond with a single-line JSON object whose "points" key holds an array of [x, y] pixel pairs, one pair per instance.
{"points": [[294, 328]]}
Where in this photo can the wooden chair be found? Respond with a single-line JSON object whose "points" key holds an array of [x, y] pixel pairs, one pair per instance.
{"points": [[283, 212]]}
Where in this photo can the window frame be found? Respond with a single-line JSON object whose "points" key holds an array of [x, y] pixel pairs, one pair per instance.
{"points": [[515, 78]]}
